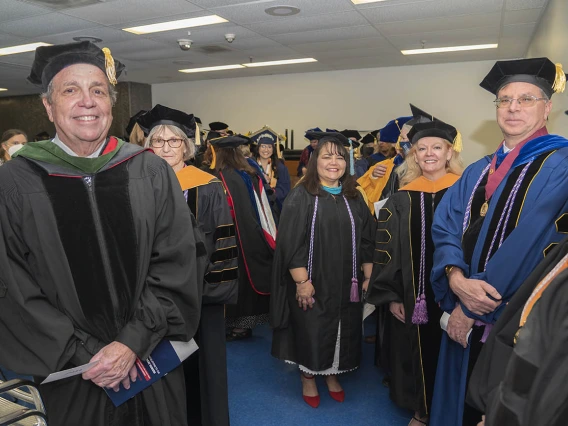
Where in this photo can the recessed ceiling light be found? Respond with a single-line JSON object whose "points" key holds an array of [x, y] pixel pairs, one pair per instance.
{"points": [[365, 1], [2, 89], [88, 38], [21, 48], [176, 25], [282, 11], [449, 49], [283, 62], [217, 68]]}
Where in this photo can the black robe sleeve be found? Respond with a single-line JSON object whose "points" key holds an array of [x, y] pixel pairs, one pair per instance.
{"points": [[386, 280], [291, 251], [214, 216], [170, 304]]}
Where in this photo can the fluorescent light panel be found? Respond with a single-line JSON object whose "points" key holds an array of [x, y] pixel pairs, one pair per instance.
{"points": [[218, 68], [449, 49], [2, 89], [21, 48], [176, 25], [365, 1], [283, 62]]}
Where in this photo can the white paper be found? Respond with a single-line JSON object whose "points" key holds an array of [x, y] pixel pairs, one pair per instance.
{"points": [[69, 373], [379, 205], [368, 309], [444, 324], [184, 349]]}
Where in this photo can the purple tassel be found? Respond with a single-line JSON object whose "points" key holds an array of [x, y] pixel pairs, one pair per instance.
{"points": [[420, 314], [354, 290]]}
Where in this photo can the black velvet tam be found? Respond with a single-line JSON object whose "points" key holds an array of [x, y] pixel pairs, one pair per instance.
{"points": [[368, 138], [49, 60], [328, 136], [231, 141], [434, 128], [218, 125], [133, 120], [538, 71], [168, 116], [351, 134]]}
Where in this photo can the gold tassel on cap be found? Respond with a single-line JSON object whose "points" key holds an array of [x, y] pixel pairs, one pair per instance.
{"points": [[109, 66], [458, 142], [397, 145], [560, 80], [197, 135], [214, 158]]}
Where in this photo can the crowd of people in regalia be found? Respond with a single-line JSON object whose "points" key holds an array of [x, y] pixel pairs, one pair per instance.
{"points": [[186, 231]]}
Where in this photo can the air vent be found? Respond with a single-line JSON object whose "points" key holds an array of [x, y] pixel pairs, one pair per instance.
{"points": [[64, 4], [213, 49]]}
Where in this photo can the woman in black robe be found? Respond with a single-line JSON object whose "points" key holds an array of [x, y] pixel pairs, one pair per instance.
{"points": [[256, 234], [402, 264], [322, 261]]}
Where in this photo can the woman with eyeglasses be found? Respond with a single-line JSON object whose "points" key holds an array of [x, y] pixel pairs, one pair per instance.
{"points": [[170, 134], [321, 265], [403, 260]]}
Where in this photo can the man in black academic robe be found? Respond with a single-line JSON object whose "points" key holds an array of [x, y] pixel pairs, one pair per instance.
{"points": [[96, 259]]}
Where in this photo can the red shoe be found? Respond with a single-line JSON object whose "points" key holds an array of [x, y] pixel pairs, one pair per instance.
{"points": [[338, 396], [312, 401]]}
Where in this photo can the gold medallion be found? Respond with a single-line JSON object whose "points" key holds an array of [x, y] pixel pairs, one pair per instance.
{"points": [[484, 208]]}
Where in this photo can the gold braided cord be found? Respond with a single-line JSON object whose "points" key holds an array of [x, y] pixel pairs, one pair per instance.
{"points": [[109, 66]]}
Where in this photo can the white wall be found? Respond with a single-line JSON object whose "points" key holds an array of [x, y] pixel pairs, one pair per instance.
{"points": [[551, 40], [363, 99]]}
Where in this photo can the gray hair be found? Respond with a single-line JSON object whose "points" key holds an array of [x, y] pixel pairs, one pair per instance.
{"points": [[160, 128], [48, 94]]}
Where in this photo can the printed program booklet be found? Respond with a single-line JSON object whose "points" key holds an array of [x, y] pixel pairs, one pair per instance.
{"points": [[163, 359]]}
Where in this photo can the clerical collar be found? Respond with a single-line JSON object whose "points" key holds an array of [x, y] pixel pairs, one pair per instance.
{"points": [[334, 190], [72, 153]]}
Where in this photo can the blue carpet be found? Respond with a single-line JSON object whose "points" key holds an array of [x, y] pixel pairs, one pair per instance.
{"points": [[264, 391]]}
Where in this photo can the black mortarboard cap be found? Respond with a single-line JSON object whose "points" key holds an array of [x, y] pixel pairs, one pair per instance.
{"points": [[231, 141], [437, 129], [351, 134], [368, 138], [198, 120], [266, 136], [164, 115], [419, 116], [375, 132], [538, 71], [213, 135], [133, 120], [328, 136], [218, 125], [49, 60], [315, 129]]}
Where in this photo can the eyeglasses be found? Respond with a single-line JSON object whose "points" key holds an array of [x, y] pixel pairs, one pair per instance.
{"points": [[524, 101], [173, 143]]}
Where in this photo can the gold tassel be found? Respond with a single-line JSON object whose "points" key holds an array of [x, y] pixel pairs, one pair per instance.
{"points": [[197, 135], [560, 80], [458, 142], [214, 158], [397, 145], [278, 153], [109, 66]]}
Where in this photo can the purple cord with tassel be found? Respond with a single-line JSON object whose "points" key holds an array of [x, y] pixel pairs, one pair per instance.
{"points": [[420, 314], [354, 294]]}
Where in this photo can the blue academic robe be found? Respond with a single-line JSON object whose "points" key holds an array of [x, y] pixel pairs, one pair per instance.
{"points": [[543, 201]]}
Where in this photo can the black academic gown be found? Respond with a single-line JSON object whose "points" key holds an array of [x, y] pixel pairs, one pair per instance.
{"points": [[91, 258], [533, 390], [489, 371], [206, 370], [309, 337], [410, 351], [255, 255]]}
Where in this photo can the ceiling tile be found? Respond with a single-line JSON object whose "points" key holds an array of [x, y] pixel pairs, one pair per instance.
{"points": [[330, 34], [123, 11], [388, 12], [521, 16], [449, 57], [358, 43], [51, 23], [7, 40], [327, 21], [13, 10], [108, 36], [354, 53], [518, 30], [524, 4], [440, 24], [205, 35], [366, 62], [255, 12]]}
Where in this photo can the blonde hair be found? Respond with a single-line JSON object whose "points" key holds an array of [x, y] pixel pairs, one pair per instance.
{"points": [[410, 170], [137, 135], [160, 128]]}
